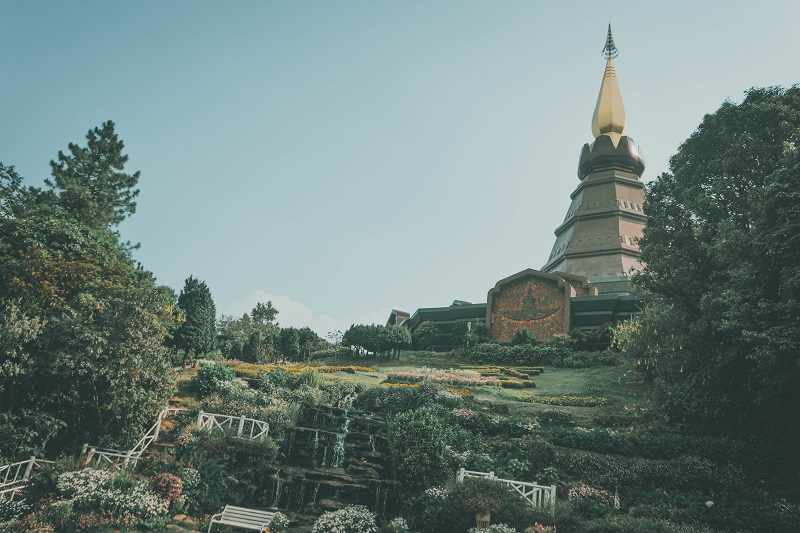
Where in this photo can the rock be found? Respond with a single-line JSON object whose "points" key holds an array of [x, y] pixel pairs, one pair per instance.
{"points": [[188, 521], [173, 527], [179, 517]]}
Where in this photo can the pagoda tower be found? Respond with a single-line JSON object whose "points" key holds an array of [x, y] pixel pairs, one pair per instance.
{"points": [[599, 236]]}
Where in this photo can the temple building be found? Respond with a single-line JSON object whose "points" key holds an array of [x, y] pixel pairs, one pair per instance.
{"points": [[586, 280]]}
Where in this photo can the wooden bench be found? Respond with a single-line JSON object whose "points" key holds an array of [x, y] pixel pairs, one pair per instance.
{"points": [[243, 518]]}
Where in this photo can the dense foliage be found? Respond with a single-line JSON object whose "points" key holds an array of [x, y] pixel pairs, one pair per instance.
{"points": [[83, 327], [721, 332]]}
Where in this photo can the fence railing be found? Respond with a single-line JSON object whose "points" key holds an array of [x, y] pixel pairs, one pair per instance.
{"points": [[540, 496], [14, 477], [119, 460], [244, 428]]}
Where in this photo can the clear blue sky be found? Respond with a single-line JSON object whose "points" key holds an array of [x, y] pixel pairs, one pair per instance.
{"points": [[345, 157]]}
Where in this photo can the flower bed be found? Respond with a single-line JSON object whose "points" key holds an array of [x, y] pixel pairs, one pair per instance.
{"points": [[387, 384], [573, 401], [460, 392], [444, 377]]}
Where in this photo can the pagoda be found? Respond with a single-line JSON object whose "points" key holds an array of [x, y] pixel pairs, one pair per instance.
{"points": [[598, 239]]}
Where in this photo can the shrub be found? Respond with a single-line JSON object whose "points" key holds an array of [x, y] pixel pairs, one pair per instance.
{"points": [[389, 400], [396, 525], [417, 439], [351, 519], [512, 508], [209, 376], [11, 510], [277, 378], [494, 528], [236, 399], [167, 486], [574, 401]]}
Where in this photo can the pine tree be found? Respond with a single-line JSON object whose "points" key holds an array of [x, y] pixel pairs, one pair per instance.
{"points": [[89, 182], [197, 335]]}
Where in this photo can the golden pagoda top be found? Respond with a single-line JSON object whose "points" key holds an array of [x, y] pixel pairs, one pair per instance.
{"points": [[609, 114]]}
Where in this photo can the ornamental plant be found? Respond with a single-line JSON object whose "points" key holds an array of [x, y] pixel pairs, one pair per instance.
{"points": [[351, 519], [168, 486], [541, 528], [481, 504], [494, 528]]}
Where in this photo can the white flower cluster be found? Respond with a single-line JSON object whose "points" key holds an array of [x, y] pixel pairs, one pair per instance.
{"points": [[530, 425], [101, 489], [436, 492], [190, 477], [494, 528], [351, 519], [84, 481]]}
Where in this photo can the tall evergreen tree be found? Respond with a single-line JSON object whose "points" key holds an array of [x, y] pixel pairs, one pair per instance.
{"points": [[197, 335], [89, 181]]}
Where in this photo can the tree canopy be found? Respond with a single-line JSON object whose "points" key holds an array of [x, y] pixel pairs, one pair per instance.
{"points": [[721, 328], [197, 334], [82, 326]]}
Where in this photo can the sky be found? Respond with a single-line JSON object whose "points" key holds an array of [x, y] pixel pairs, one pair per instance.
{"points": [[343, 158]]}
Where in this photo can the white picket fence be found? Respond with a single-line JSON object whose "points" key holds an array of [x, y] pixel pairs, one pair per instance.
{"points": [[540, 496], [245, 428], [15, 476], [120, 460]]}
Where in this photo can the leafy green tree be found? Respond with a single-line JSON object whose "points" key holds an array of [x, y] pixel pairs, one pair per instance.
{"points": [[395, 338], [82, 327], [290, 343], [424, 334], [197, 334], [418, 442], [264, 313], [89, 181], [720, 334]]}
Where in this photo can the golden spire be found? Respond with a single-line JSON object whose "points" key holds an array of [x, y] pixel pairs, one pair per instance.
{"points": [[609, 113]]}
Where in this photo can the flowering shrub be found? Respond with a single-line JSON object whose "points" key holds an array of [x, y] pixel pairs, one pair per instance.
{"points": [[11, 510], [494, 528], [575, 401], [555, 415], [280, 524], [237, 399], [464, 413], [396, 525], [586, 492], [457, 378], [209, 376], [167, 486], [436, 492], [351, 519], [481, 505], [387, 384], [529, 425], [93, 489], [460, 392], [103, 521], [541, 528]]}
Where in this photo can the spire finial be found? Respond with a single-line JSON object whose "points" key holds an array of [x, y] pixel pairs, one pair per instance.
{"points": [[609, 50]]}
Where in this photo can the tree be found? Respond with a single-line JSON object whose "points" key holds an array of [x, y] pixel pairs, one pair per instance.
{"points": [[290, 343], [82, 327], [424, 334], [418, 444], [394, 338], [90, 183], [720, 334], [197, 334], [264, 314]]}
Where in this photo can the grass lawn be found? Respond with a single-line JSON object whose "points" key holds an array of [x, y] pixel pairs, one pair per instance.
{"points": [[619, 384]]}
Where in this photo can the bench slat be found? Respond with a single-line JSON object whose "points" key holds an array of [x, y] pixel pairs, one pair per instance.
{"points": [[244, 518]]}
